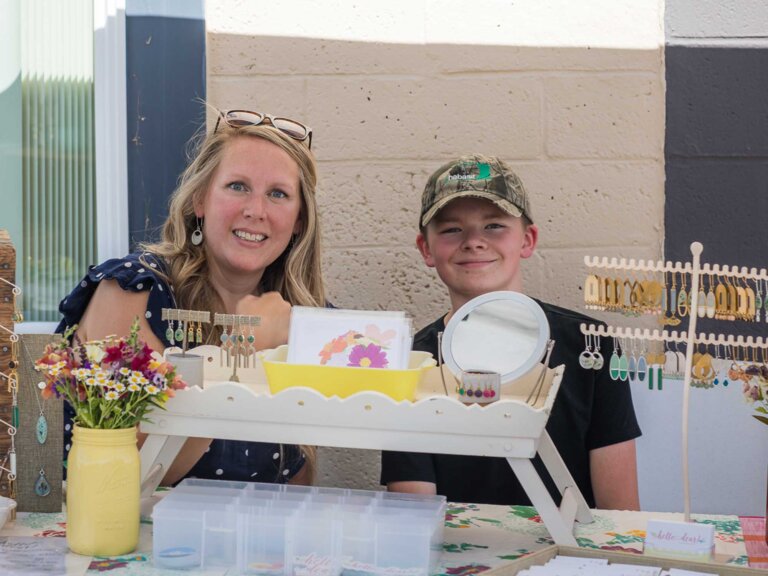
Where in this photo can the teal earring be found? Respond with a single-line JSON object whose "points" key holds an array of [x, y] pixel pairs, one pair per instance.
{"points": [[623, 365], [613, 363], [169, 333]]}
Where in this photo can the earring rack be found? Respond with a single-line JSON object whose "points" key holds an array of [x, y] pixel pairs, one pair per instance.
{"points": [[240, 319], [689, 337], [238, 354], [710, 339]]}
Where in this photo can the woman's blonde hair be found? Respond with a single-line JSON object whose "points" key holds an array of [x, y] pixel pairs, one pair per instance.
{"points": [[295, 274]]}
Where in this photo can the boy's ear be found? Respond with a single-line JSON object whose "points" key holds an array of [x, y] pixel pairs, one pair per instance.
{"points": [[530, 238], [423, 246]]}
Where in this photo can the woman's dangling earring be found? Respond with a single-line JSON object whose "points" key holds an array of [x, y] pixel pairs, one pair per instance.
{"points": [[197, 235]]}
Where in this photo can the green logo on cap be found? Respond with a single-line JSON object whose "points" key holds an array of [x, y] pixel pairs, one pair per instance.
{"points": [[483, 171], [465, 169]]}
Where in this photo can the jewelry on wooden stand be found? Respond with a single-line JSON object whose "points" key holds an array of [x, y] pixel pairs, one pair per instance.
{"points": [[8, 465], [42, 486], [12, 378]]}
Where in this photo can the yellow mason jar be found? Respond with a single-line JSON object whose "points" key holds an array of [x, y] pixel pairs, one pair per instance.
{"points": [[103, 473]]}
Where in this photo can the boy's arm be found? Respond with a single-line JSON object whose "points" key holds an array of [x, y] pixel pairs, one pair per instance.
{"points": [[412, 487], [614, 476]]}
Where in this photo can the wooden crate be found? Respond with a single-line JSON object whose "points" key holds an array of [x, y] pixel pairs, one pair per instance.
{"points": [[543, 556]]}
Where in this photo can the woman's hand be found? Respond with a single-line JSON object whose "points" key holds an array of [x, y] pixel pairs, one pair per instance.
{"points": [[275, 314]]}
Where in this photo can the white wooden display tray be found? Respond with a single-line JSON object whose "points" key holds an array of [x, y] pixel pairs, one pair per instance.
{"points": [[434, 423]]}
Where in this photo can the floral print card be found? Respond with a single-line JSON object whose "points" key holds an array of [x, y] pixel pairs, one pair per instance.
{"points": [[352, 338]]}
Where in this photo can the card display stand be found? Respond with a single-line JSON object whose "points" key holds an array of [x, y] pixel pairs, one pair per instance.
{"points": [[434, 423]]}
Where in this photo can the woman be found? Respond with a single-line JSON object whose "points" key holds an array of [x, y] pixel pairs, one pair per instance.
{"points": [[242, 237]]}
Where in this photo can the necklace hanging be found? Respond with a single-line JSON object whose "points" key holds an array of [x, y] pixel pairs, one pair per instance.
{"points": [[42, 486]]}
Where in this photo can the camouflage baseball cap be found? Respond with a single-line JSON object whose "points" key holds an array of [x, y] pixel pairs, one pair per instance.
{"points": [[476, 176]]}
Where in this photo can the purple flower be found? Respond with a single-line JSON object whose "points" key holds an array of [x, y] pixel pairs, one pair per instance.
{"points": [[370, 356]]}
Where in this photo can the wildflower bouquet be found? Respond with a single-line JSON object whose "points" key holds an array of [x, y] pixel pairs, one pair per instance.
{"points": [[755, 389], [110, 384]]}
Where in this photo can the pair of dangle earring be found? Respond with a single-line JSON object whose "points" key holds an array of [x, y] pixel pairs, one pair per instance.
{"points": [[174, 336], [618, 366], [591, 358], [194, 335]]}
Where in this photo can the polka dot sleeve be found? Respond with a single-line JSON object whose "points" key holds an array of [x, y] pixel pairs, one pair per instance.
{"points": [[137, 272]]}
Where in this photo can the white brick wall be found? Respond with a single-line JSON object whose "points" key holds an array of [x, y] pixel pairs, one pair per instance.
{"points": [[569, 92]]}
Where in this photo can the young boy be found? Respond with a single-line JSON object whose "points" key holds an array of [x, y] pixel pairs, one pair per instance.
{"points": [[475, 229]]}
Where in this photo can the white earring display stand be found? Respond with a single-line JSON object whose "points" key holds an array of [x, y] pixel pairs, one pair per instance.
{"points": [[434, 423], [695, 269]]}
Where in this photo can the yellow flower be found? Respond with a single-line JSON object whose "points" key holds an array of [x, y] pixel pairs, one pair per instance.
{"points": [[119, 386], [133, 387], [111, 395], [90, 381], [152, 389], [125, 371]]}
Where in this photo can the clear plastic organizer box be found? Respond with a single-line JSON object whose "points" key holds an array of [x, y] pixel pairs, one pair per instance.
{"points": [[278, 529]]}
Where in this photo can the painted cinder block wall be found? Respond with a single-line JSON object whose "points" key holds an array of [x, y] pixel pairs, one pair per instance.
{"points": [[570, 94]]}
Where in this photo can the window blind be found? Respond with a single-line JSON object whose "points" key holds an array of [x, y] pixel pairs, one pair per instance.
{"points": [[59, 193]]}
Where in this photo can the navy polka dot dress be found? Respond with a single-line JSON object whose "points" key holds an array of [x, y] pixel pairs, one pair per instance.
{"points": [[224, 459]]}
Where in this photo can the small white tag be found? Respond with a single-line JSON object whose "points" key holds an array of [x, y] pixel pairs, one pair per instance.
{"points": [[684, 540]]}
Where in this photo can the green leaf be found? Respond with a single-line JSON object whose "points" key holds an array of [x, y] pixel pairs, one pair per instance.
{"points": [[762, 419]]}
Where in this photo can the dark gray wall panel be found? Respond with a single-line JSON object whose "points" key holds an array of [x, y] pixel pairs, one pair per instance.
{"points": [[721, 203], [717, 102], [166, 86]]}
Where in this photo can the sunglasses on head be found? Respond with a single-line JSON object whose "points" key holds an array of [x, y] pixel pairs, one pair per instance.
{"points": [[240, 118]]}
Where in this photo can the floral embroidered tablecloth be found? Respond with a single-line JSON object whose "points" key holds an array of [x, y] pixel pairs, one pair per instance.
{"points": [[477, 537]]}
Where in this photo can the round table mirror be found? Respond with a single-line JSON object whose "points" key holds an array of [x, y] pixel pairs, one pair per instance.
{"points": [[503, 332]]}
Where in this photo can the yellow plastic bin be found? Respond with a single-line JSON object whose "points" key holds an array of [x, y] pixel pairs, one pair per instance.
{"points": [[345, 381]]}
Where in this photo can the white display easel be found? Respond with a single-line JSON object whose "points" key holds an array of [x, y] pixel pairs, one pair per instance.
{"points": [[434, 423], [695, 269]]}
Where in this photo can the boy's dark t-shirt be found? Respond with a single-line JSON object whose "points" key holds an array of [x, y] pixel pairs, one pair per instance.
{"points": [[590, 411]]}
